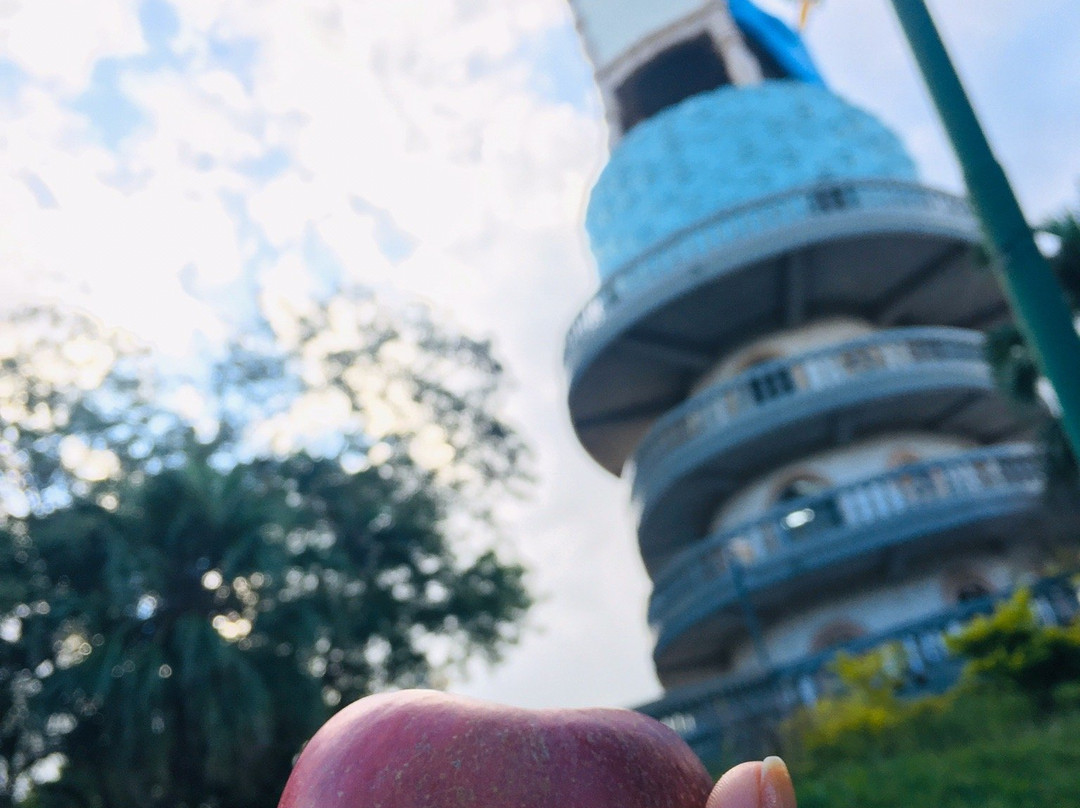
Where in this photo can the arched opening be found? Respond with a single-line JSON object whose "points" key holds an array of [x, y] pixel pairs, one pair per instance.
{"points": [[837, 632], [962, 583], [902, 457], [972, 590], [821, 513], [683, 70], [799, 485], [767, 386], [722, 371]]}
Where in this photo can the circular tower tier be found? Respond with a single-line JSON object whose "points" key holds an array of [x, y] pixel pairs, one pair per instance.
{"points": [[814, 549], [904, 621], [714, 223], [705, 448]]}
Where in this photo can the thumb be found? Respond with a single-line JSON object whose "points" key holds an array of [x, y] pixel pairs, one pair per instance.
{"points": [[754, 785]]}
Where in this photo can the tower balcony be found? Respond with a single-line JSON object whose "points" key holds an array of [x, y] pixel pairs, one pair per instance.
{"points": [[729, 713], [890, 251], [935, 379], [834, 539]]}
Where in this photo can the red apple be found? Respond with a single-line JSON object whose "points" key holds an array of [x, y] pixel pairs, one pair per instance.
{"points": [[423, 749]]}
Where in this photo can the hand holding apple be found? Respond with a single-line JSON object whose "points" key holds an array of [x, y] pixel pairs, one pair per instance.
{"points": [[423, 749]]}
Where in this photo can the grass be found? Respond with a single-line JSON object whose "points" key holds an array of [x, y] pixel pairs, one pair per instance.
{"points": [[979, 749]]}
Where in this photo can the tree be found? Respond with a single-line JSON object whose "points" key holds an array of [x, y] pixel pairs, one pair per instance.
{"points": [[83, 406], [80, 408], [1017, 372], [190, 591]]}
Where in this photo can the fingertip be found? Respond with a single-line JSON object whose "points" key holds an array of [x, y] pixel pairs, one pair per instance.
{"points": [[739, 787], [777, 790]]}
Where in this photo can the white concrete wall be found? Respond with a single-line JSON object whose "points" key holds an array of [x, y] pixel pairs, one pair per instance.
{"points": [[780, 344], [838, 466], [886, 606], [622, 35], [611, 27]]}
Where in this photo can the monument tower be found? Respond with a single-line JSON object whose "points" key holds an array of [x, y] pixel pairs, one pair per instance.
{"points": [[784, 360]]}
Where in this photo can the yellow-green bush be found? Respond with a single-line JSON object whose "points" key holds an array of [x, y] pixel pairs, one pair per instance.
{"points": [[866, 712], [988, 750], [1010, 646], [984, 743]]}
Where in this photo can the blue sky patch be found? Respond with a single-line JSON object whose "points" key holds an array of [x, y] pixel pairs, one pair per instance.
{"points": [[266, 166], [235, 299], [112, 114], [247, 231], [12, 79], [237, 55], [327, 271], [560, 71], [396, 244], [43, 195], [159, 22]]}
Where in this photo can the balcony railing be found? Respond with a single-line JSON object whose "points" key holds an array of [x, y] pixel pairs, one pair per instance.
{"points": [[917, 658], [850, 517], [661, 267], [771, 383]]}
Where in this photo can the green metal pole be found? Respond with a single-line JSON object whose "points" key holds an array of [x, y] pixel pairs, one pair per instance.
{"points": [[1033, 292]]}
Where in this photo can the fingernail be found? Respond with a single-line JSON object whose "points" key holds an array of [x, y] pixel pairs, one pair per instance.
{"points": [[776, 788]]}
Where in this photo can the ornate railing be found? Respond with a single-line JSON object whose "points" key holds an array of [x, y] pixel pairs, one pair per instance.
{"points": [[805, 526], [660, 266], [916, 654], [778, 380]]}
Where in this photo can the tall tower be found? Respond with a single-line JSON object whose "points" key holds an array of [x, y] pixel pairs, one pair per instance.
{"points": [[784, 359]]}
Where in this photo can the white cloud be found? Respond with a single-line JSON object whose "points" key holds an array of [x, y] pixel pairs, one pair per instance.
{"points": [[59, 42]]}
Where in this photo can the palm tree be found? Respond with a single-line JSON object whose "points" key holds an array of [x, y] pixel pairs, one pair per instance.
{"points": [[197, 634]]}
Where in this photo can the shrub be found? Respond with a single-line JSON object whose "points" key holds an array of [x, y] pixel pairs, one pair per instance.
{"points": [[1010, 646], [989, 741], [865, 713]]}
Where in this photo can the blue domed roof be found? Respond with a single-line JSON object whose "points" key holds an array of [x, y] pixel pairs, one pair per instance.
{"points": [[726, 147]]}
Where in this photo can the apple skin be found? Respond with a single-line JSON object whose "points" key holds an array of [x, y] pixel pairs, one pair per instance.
{"points": [[425, 749]]}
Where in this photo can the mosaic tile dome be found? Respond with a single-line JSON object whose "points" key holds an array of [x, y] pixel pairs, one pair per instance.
{"points": [[726, 147]]}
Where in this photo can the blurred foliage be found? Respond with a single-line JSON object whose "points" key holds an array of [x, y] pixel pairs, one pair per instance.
{"points": [[1011, 646], [987, 747], [1003, 736], [196, 572], [1017, 373], [866, 712], [83, 407]]}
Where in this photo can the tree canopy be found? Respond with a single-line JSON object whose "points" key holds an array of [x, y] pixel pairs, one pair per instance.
{"points": [[196, 572]]}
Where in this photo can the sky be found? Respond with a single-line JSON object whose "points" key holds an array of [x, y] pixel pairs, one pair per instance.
{"points": [[158, 157]]}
